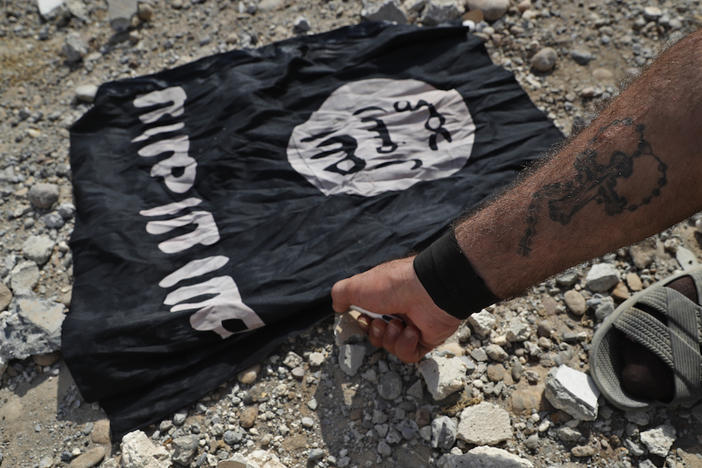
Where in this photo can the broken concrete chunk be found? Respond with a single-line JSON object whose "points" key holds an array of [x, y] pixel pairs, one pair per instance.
{"points": [[482, 323], [484, 424], [351, 358], [444, 376], [659, 439], [484, 457], [139, 452], [573, 392]]}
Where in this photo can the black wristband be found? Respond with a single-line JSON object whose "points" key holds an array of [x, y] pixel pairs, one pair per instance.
{"points": [[450, 279]]}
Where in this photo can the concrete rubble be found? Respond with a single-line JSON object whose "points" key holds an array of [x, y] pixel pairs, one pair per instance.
{"points": [[484, 424], [573, 392], [444, 376]]}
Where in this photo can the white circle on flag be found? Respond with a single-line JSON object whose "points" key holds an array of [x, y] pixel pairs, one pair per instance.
{"points": [[378, 135]]}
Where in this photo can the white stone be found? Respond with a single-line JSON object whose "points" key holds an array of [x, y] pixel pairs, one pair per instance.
{"points": [[139, 452], [659, 439], [573, 392], [265, 459], [351, 358], [38, 249], [444, 376], [482, 323], [316, 359], [441, 11], [652, 13], [47, 8], [484, 457], [484, 424], [86, 92], [492, 9], [601, 277], [383, 10], [74, 47], [518, 331]]}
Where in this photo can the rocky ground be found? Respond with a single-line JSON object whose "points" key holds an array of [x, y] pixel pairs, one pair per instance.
{"points": [[497, 394]]}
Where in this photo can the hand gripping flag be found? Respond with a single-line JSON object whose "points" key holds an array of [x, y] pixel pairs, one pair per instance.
{"points": [[218, 202]]}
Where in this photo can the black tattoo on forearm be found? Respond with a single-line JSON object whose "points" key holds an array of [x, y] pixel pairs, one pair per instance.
{"points": [[596, 182]]}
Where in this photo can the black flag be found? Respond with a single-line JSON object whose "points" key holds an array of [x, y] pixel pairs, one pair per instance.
{"points": [[219, 201]]}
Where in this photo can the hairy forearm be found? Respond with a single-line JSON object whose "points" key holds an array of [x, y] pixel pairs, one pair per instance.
{"points": [[633, 172]]}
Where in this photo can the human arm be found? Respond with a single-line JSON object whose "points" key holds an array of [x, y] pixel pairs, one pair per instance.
{"points": [[631, 173]]}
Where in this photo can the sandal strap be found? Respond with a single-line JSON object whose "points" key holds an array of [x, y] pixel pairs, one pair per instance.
{"points": [[682, 336], [646, 330]]}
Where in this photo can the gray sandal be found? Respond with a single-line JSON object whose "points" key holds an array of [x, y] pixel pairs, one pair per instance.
{"points": [[677, 344]]}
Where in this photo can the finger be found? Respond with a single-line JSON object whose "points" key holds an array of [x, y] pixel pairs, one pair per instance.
{"points": [[392, 331], [376, 332], [340, 296], [407, 345], [364, 321]]}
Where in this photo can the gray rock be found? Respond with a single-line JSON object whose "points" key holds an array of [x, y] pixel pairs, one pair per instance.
{"points": [[307, 422], [66, 211], [74, 47], [384, 449], [351, 358], [383, 10], [179, 418], [233, 437], [601, 277], [544, 60], [315, 455], [139, 452], [638, 417], [440, 11], [492, 9], [43, 196], [443, 433], [479, 354], [484, 424], [444, 376], [659, 439], [185, 448], [53, 220], [647, 464], [390, 386], [484, 457], [23, 278], [301, 25], [292, 360], [86, 93], [518, 331], [32, 327], [604, 308], [5, 296], [581, 56], [568, 434], [573, 392], [120, 13], [496, 353], [482, 323], [38, 249], [567, 279], [532, 442]]}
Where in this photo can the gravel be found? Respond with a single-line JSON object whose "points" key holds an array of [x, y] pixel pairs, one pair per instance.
{"points": [[382, 412]]}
